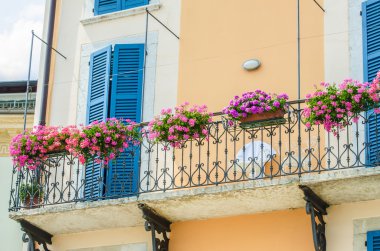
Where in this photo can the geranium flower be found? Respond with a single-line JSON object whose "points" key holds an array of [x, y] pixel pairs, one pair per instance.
{"points": [[185, 124]]}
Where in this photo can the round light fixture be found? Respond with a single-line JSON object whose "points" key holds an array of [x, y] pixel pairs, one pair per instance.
{"points": [[251, 64]]}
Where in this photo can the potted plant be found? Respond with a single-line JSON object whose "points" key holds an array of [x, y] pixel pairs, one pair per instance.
{"points": [[186, 123], [30, 194], [256, 106], [102, 141], [334, 106], [31, 148]]}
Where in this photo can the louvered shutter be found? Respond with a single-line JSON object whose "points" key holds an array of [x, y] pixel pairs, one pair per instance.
{"points": [[371, 54], [106, 6], [126, 103], [127, 4], [97, 109], [373, 241]]}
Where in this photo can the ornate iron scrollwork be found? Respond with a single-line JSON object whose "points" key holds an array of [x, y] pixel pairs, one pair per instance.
{"points": [[34, 234], [156, 224], [316, 208]]}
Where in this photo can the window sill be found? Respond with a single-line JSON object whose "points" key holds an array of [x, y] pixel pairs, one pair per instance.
{"points": [[154, 5]]}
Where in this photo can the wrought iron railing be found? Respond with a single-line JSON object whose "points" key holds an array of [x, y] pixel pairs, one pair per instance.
{"points": [[17, 106], [231, 154]]}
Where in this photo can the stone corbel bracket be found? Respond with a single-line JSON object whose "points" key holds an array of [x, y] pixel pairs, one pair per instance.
{"points": [[316, 208], [157, 225], [33, 234]]}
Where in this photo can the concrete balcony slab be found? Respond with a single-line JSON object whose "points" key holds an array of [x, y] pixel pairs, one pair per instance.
{"points": [[248, 197]]}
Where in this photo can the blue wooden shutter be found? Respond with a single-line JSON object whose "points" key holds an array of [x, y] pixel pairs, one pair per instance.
{"points": [[373, 241], [371, 55], [97, 110], [127, 4], [126, 103], [106, 6]]}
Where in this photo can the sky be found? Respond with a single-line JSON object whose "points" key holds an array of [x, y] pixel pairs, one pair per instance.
{"points": [[17, 19]]}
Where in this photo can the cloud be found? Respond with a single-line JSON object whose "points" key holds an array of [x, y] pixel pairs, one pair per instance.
{"points": [[15, 44]]}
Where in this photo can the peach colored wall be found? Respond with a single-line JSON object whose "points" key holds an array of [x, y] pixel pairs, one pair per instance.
{"points": [[284, 230], [102, 238], [218, 36]]}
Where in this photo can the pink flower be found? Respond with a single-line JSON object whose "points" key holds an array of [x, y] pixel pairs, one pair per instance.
{"points": [[191, 122]]}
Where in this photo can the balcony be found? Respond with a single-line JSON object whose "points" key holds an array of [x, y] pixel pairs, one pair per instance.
{"points": [[16, 106], [237, 171]]}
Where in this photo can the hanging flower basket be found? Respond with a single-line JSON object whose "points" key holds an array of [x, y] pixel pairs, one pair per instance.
{"points": [[185, 124], [257, 108], [33, 147], [102, 142], [335, 106]]}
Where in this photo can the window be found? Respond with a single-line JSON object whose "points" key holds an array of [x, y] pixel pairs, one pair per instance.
{"points": [[115, 90], [108, 6], [371, 55], [373, 241]]}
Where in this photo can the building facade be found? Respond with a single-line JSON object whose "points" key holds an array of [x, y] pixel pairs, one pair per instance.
{"points": [[12, 108], [243, 189]]}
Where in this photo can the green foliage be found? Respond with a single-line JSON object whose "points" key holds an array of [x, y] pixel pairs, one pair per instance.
{"points": [[30, 191]]}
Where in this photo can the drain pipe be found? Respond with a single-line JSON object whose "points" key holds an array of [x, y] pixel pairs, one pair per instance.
{"points": [[46, 76]]}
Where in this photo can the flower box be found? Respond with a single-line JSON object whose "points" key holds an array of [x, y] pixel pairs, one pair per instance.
{"points": [[257, 108], [262, 117]]}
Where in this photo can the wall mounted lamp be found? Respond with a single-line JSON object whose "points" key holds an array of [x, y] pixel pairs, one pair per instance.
{"points": [[251, 64]]}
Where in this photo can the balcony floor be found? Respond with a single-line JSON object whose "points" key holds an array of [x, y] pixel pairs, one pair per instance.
{"points": [[249, 197]]}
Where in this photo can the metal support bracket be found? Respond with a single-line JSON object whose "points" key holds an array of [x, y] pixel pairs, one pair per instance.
{"points": [[33, 234], [157, 225], [316, 208]]}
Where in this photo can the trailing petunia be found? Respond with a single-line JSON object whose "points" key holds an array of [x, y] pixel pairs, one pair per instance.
{"points": [[255, 102], [186, 123]]}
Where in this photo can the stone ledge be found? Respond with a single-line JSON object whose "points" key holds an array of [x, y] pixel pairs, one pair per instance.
{"points": [[249, 197], [154, 5]]}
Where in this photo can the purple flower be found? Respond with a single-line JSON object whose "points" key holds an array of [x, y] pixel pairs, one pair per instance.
{"points": [[276, 104]]}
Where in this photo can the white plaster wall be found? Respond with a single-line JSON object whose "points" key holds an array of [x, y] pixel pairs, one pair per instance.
{"points": [[42, 65], [10, 233], [355, 39], [336, 40], [347, 225], [119, 239], [343, 40], [74, 37]]}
